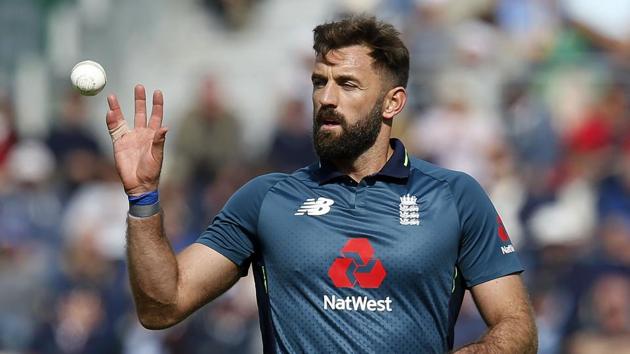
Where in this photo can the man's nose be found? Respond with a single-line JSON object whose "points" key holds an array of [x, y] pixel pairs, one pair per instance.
{"points": [[329, 95]]}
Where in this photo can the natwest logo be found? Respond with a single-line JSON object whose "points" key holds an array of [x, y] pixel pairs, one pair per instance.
{"points": [[357, 303], [503, 235], [357, 266]]}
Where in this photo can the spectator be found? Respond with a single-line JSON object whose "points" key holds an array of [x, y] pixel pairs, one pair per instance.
{"points": [[79, 325], [234, 14], [605, 318], [291, 146], [97, 212], [454, 133], [8, 136], [29, 211], [75, 147], [614, 190], [208, 137]]}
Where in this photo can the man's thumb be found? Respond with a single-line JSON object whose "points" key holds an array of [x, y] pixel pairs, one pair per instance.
{"points": [[157, 148]]}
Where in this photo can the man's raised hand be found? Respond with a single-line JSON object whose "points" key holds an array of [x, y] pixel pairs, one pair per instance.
{"points": [[138, 152]]}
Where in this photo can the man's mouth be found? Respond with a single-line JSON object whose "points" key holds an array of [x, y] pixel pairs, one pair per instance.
{"points": [[328, 118], [329, 122]]}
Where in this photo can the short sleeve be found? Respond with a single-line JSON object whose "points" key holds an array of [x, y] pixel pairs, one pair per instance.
{"points": [[485, 250], [233, 230]]}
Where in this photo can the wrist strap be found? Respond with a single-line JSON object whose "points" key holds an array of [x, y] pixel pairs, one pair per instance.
{"points": [[144, 205], [144, 211]]}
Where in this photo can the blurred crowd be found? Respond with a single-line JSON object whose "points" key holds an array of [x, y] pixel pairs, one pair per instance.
{"points": [[530, 97]]}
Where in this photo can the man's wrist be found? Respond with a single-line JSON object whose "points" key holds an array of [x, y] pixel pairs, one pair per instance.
{"points": [[144, 205]]}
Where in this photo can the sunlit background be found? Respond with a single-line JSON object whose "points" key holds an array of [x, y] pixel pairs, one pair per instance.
{"points": [[531, 97]]}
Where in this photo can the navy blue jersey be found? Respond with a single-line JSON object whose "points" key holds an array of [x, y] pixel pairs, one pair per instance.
{"points": [[378, 266]]}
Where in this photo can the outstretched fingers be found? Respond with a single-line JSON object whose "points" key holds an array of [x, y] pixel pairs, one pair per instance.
{"points": [[116, 121], [155, 122], [140, 98], [116, 124], [114, 115], [157, 111]]}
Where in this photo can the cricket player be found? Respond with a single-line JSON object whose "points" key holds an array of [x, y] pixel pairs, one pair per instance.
{"points": [[368, 250]]}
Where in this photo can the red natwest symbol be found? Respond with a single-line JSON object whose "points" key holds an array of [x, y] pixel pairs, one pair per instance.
{"points": [[503, 235], [357, 266]]}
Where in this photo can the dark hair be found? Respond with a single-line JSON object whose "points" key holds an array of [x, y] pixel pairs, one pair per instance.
{"points": [[388, 50]]}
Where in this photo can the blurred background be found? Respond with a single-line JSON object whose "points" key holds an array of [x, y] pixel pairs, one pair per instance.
{"points": [[531, 97]]}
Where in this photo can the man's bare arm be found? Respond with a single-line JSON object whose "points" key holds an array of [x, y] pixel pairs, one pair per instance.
{"points": [[504, 306], [167, 288]]}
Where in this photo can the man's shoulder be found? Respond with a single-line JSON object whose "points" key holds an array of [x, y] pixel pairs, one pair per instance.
{"points": [[263, 183], [460, 183], [251, 195], [434, 171]]}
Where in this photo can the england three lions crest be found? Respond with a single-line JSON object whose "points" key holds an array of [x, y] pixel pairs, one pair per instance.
{"points": [[409, 210]]}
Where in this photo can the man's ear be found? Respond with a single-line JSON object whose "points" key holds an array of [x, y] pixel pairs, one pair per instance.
{"points": [[394, 102]]}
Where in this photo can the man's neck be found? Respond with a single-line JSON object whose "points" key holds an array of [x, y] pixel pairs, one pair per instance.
{"points": [[368, 163]]}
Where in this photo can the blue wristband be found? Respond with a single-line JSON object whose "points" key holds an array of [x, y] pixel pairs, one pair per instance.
{"points": [[148, 198], [144, 205]]}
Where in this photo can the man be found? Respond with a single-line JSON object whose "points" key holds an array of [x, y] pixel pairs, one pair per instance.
{"points": [[368, 250]]}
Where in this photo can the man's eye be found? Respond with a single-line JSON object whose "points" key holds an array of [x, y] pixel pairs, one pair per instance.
{"points": [[319, 83], [348, 85]]}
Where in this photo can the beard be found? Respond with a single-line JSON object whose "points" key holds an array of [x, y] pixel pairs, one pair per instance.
{"points": [[353, 140]]}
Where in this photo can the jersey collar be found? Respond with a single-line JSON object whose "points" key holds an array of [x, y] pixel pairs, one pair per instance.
{"points": [[396, 167]]}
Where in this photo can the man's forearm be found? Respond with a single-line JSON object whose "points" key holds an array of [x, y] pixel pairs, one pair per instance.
{"points": [[153, 271], [511, 335]]}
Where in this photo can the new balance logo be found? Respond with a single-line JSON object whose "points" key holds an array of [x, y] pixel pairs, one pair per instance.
{"points": [[314, 207]]}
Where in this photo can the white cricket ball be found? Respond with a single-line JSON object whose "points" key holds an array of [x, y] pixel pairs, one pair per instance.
{"points": [[88, 77]]}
